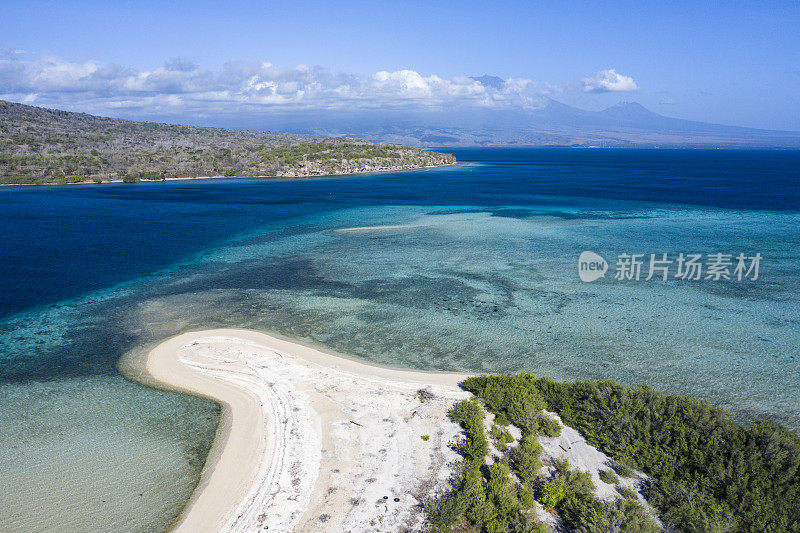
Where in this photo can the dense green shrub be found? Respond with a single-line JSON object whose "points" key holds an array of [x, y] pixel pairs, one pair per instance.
{"points": [[510, 395], [571, 493], [635, 518], [502, 438], [501, 420], [621, 516], [548, 426], [608, 476], [712, 474], [553, 493], [152, 176], [578, 496], [501, 434], [501, 490], [526, 496], [474, 446], [561, 465], [476, 506], [527, 523], [525, 458], [445, 511], [467, 411], [486, 498], [467, 497], [624, 470]]}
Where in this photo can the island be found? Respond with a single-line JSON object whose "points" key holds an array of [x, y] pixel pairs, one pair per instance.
{"points": [[48, 146]]}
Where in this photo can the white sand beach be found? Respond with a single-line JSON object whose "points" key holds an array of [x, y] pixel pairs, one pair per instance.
{"points": [[310, 441], [313, 441]]}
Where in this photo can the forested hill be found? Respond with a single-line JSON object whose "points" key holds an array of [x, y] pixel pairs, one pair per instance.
{"points": [[48, 146]]}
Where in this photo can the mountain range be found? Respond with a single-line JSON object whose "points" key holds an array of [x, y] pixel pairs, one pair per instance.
{"points": [[547, 123], [627, 124]]}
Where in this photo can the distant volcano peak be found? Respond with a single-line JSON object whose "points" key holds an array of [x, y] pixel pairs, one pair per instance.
{"points": [[629, 110], [488, 81]]}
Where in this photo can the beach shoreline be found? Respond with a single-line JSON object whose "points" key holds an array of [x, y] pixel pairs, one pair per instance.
{"points": [[301, 436]]}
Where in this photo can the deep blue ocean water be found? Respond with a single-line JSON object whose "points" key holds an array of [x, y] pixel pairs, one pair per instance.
{"points": [[61, 242], [470, 267]]}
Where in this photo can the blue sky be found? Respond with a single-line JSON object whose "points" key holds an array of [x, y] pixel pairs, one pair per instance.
{"points": [[727, 62]]}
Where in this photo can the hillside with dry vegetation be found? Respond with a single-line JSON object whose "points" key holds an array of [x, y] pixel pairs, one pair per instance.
{"points": [[49, 146]]}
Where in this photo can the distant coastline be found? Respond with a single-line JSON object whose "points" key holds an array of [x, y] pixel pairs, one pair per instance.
{"points": [[228, 178], [49, 146]]}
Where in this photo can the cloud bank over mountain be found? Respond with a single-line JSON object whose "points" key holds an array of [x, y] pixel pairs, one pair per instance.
{"points": [[389, 105], [181, 84], [609, 80]]}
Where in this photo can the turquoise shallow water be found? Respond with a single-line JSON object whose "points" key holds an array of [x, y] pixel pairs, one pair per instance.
{"points": [[467, 268]]}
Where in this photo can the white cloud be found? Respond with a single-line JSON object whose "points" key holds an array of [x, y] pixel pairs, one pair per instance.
{"points": [[608, 80], [181, 85]]}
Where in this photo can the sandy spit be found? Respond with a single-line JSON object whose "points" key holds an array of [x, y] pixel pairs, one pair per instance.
{"points": [[309, 440]]}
